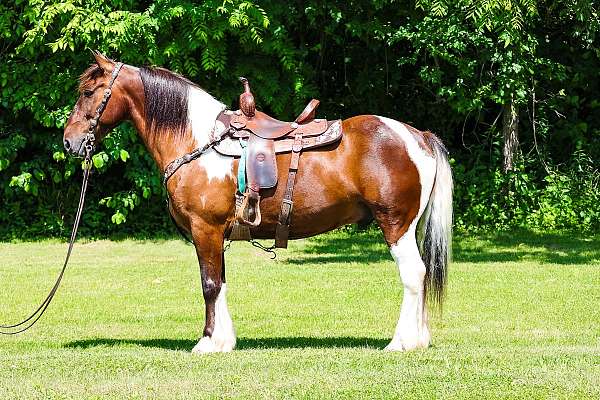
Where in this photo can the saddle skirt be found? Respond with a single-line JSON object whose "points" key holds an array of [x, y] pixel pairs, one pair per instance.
{"points": [[261, 156], [231, 145]]}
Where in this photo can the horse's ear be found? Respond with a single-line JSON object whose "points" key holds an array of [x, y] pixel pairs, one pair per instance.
{"points": [[103, 62]]}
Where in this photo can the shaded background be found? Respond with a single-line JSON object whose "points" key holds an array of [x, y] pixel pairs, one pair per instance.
{"points": [[480, 74]]}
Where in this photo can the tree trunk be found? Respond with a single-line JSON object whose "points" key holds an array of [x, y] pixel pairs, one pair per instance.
{"points": [[510, 130]]}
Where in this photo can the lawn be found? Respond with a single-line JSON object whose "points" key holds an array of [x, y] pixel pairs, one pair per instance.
{"points": [[522, 320]]}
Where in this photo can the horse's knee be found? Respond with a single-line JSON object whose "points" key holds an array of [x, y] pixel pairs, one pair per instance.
{"points": [[211, 289]]}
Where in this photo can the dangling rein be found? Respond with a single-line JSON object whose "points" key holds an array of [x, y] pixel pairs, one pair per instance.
{"points": [[88, 144]]}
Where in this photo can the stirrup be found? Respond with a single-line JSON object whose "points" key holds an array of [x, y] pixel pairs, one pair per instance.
{"points": [[245, 209]]}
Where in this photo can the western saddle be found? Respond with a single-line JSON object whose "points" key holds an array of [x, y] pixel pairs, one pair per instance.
{"points": [[256, 138]]}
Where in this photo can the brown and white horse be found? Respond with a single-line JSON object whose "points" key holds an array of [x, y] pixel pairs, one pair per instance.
{"points": [[382, 169]]}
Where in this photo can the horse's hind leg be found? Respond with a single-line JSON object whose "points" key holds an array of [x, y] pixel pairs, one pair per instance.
{"points": [[412, 330], [218, 334], [398, 204]]}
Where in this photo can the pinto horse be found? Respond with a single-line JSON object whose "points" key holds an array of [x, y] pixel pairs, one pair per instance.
{"points": [[382, 169]]}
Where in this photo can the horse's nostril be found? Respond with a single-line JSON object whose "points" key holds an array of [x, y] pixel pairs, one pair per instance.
{"points": [[67, 145]]}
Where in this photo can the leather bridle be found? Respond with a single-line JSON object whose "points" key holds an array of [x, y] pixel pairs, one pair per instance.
{"points": [[90, 138], [88, 144]]}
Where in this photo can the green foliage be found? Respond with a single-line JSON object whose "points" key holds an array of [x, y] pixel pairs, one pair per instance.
{"points": [[564, 200], [439, 65], [482, 51]]}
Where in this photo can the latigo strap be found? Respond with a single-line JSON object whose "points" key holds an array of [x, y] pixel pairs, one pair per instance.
{"points": [[282, 231]]}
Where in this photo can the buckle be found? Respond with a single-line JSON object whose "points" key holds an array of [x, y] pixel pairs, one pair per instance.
{"points": [[297, 146], [285, 213]]}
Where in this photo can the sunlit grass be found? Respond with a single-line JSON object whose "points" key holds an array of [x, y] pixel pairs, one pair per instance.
{"points": [[522, 320]]}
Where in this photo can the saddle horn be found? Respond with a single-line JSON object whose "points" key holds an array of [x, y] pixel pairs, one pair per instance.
{"points": [[247, 103]]}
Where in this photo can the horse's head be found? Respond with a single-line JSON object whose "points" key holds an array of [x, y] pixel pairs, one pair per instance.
{"points": [[92, 85]]}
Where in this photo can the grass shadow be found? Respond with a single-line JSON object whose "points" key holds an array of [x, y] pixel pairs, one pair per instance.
{"points": [[346, 246], [310, 342], [242, 343], [343, 246]]}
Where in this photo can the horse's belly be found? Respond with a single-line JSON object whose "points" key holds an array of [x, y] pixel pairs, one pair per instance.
{"points": [[326, 195]]}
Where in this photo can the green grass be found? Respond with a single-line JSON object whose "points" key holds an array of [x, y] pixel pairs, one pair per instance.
{"points": [[522, 320]]}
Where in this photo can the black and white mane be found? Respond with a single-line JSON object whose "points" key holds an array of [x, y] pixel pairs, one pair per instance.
{"points": [[165, 101]]}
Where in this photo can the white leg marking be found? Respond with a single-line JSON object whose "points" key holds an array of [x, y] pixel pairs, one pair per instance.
{"points": [[223, 338], [202, 113], [412, 329]]}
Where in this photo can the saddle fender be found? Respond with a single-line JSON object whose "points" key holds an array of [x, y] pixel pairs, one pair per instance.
{"points": [[261, 158]]}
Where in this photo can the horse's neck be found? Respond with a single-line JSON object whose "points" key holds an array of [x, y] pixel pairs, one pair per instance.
{"points": [[203, 110]]}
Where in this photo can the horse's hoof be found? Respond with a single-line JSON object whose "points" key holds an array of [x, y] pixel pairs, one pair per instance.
{"points": [[210, 345], [394, 346], [204, 346], [406, 345]]}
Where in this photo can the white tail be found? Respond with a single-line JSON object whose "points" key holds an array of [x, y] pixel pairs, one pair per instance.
{"points": [[436, 225]]}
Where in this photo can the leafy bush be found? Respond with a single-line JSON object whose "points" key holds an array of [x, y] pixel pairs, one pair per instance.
{"points": [[557, 200], [444, 66]]}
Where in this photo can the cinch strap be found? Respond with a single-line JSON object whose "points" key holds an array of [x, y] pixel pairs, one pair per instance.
{"points": [[242, 167]]}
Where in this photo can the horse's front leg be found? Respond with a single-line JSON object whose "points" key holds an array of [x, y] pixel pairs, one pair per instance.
{"points": [[218, 335]]}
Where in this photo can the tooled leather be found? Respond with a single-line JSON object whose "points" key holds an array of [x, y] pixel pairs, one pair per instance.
{"points": [[231, 147]]}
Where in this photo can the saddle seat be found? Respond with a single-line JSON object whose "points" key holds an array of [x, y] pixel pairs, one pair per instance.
{"points": [[267, 127], [256, 138]]}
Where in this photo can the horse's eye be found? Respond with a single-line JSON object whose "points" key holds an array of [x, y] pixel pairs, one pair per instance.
{"points": [[88, 93]]}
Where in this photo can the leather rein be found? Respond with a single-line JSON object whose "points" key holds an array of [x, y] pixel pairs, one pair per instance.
{"points": [[88, 145]]}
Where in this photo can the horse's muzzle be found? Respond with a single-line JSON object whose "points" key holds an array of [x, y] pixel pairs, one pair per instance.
{"points": [[75, 146]]}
